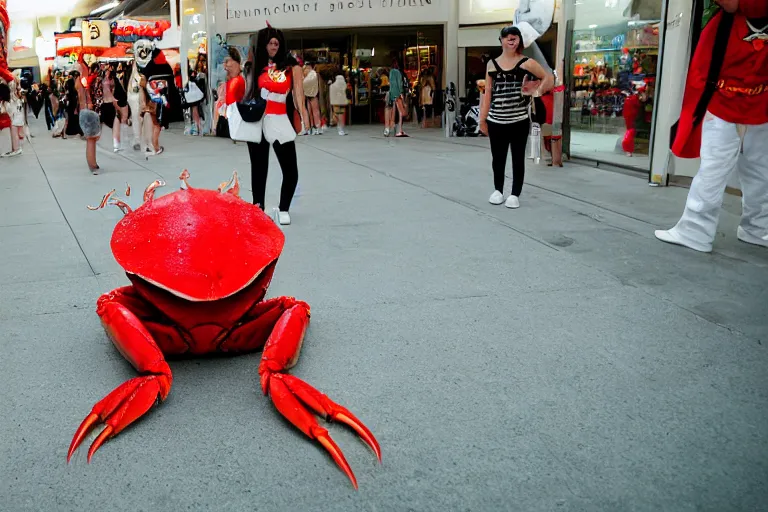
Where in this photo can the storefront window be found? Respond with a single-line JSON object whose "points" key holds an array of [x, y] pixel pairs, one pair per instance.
{"points": [[614, 59]]}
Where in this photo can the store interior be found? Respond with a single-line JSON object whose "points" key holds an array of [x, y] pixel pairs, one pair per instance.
{"points": [[365, 55], [614, 59]]}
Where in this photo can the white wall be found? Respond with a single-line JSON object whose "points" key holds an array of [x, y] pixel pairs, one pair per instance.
{"points": [[251, 16], [475, 12], [669, 96]]}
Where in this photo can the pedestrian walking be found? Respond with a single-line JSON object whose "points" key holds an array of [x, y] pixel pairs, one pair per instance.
{"points": [[339, 101]]}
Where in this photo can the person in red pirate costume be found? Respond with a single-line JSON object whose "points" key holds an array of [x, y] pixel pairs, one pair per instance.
{"points": [[724, 120], [275, 75]]}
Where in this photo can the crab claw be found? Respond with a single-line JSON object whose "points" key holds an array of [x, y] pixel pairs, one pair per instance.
{"points": [[290, 407], [330, 410], [290, 396], [127, 403]]}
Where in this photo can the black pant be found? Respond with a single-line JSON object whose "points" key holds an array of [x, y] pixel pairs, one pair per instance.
{"points": [[503, 136], [286, 156]]}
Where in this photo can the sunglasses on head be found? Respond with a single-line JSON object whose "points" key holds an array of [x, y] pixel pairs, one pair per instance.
{"points": [[510, 30]]}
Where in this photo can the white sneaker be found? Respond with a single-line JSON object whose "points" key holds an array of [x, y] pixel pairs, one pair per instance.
{"points": [[512, 202], [743, 235], [496, 197], [386, 132], [342, 132], [671, 236], [283, 218]]}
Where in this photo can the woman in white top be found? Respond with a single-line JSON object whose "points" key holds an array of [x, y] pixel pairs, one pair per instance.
{"points": [[16, 111], [339, 101], [311, 92]]}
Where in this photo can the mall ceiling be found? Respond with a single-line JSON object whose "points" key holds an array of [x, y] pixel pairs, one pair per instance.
{"points": [[610, 13]]}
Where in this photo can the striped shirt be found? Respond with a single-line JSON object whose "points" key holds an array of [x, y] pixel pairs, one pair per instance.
{"points": [[508, 105]]}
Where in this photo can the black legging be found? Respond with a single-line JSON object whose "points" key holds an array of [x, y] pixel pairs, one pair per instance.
{"points": [[503, 136], [286, 156]]}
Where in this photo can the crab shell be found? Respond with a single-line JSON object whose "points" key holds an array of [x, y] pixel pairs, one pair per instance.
{"points": [[200, 245]]}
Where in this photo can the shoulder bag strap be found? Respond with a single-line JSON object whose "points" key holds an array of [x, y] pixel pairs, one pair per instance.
{"points": [[715, 65]]}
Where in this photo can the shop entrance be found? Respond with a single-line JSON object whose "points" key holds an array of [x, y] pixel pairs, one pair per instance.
{"points": [[364, 55], [613, 67]]}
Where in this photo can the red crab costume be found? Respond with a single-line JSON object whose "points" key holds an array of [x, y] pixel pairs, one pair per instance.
{"points": [[730, 130], [200, 262], [5, 27]]}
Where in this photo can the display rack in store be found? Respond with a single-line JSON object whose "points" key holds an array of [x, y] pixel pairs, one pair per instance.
{"points": [[608, 69]]}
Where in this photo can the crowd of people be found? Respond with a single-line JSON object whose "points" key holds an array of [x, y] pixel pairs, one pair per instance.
{"points": [[517, 92]]}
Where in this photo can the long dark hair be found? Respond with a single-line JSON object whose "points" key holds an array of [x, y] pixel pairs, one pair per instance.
{"points": [[258, 57]]}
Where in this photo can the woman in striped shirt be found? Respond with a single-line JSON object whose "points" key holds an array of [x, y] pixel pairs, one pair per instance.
{"points": [[510, 80]]}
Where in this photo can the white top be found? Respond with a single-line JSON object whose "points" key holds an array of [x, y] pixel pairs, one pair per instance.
{"points": [[311, 85], [338, 92]]}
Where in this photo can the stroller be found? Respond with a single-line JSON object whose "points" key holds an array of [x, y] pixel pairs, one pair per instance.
{"points": [[467, 123]]}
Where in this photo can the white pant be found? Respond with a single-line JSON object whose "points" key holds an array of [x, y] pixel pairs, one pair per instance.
{"points": [[133, 103], [721, 145]]}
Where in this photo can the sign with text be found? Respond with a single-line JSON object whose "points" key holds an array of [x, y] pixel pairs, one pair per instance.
{"points": [[251, 16]]}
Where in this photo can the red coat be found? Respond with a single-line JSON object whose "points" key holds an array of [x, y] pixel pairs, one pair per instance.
{"points": [[742, 93]]}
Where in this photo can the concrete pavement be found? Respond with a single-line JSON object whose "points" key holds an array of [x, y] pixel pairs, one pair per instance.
{"points": [[555, 357]]}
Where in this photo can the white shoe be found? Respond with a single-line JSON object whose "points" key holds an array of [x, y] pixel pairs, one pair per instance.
{"points": [[743, 235], [386, 132], [512, 202], [673, 237], [283, 218], [496, 197], [342, 132]]}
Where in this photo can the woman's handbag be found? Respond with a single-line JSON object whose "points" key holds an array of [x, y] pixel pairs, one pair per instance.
{"points": [[533, 149], [534, 143], [192, 93], [244, 119]]}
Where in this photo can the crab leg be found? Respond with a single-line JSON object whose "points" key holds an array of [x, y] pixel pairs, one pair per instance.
{"points": [[292, 396], [132, 399]]}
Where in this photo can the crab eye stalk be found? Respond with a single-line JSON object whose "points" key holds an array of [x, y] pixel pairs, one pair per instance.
{"points": [[184, 176], [104, 201], [122, 205], [149, 192], [232, 186], [110, 198]]}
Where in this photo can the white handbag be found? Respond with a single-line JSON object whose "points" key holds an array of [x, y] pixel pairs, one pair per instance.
{"points": [[239, 129], [193, 94]]}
